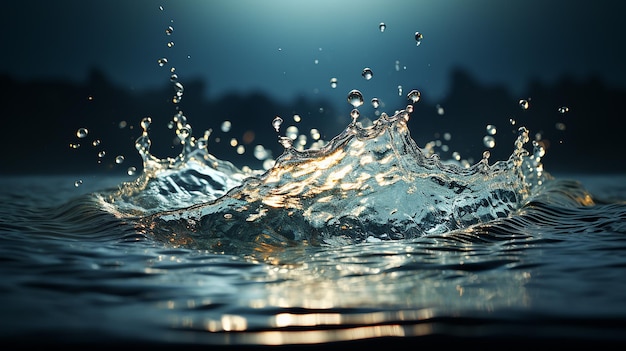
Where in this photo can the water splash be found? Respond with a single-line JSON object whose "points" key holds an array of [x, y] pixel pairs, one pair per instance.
{"points": [[367, 184]]}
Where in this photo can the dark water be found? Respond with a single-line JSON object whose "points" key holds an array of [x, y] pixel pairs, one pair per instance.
{"points": [[73, 274]]}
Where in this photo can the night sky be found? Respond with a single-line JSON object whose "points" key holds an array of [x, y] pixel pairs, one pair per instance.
{"points": [[290, 48]]}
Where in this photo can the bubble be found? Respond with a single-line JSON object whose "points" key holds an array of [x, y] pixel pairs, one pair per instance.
{"points": [[355, 98], [563, 109], [119, 159], [524, 104], [131, 170], [78, 183], [382, 26], [333, 82], [162, 61], [414, 95], [489, 141], [82, 132], [375, 102], [399, 90], [491, 129], [276, 122], [418, 38], [367, 73], [169, 30], [225, 127]]}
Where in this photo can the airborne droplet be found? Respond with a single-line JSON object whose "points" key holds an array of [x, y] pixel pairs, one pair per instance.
{"points": [[414, 95], [382, 26], [355, 98], [367, 73], [333, 83], [82, 132], [418, 38], [489, 141], [162, 61], [375, 102], [276, 123], [524, 104]]}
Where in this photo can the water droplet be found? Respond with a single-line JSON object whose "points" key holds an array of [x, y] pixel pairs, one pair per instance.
{"points": [[333, 82], [260, 153], [162, 61], [367, 73], [276, 122], [169, 30], [524, 104], [78, 183], [489, 141], [74, 146], [414, 95], [170, 44], [131, 170], [375, 102], [382, 26], [225, 127], [179, 89], [560, 126], [512, 121], [354, 114], [101, 154], [82, 132], [119, 159], [491, 129], [399, 90], [355, 98], [297, 118], [145, 123], [173, 77], [315, 134], [440, 110], [397, 66], [95, 142], [292, 132], [161, 8], [563, 109], [418, 38]]}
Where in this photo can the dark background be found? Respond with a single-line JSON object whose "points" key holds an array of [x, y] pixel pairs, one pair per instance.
{"points": [[93, 64]]}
